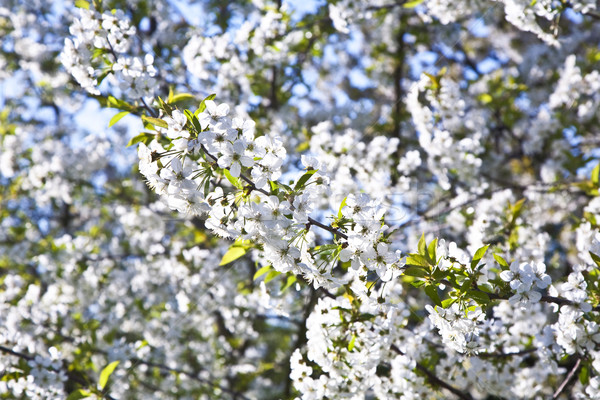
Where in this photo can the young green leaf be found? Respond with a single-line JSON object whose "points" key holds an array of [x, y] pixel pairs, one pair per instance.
{"points": [[261, 272], [144, 137], [202, 105], [233, 253], [79, 394], [233, 180], [342, 206], [501, 261], [479, 297], [596, 258], [479, 255], [113, 102], [304, 178], [412, 4], [351, 344], [155, 121], [117, 118], [448, 302], [422, 246], [432, 292], [596, 175], [272, 275], [584, 375], [180, 97], [106, 373], [193, 120], [291, 279], [82, 4], [418, 260], [431, 251]]}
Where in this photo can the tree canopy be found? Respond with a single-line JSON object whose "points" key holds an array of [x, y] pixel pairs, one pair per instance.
{"points": [[338, 199]]}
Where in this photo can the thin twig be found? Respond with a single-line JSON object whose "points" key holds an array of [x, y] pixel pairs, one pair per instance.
{"points": [[570, 375]]}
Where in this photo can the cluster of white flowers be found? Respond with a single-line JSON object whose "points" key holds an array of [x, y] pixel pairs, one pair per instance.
{"points": [[356, 164], [577, 90], [523, 279], [351, 353], [438, 124], [106, 38], [458, 328]]}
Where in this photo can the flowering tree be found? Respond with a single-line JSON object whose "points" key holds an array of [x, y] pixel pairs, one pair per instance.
{"points": [[316, 200]]}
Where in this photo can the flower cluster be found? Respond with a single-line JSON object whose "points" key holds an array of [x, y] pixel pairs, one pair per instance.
{"points": [[99, 47], [523, 279], [458, 328]]}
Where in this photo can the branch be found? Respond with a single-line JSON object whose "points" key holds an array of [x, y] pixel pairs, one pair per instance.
{"points": [[151, 111], [16, 353], [434, 380], [570, 375]]}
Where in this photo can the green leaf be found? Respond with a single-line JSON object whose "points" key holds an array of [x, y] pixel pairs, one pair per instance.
{"points": [[485, 98], [106, 373], [291, 279], [11, 376], [202, 105], [181, 97], [422, 246], [479, 255], [501, 261], [418, 260], [342, 206], [302, 147], [448, 302], [596, 258], [144, 137], [117, 118], [261, 272], [596, 175], [233, 180], [412, 4], [155, 121], [272, 275], [79, 394], [304, 178], [351, 344], [432, 292], [113, 102], [167, 108], [435, 83], [431, 251], [479, 297], [82, 4], [415, 271], [584, 375], [193, 120], [516, 209], [233, 253]]}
